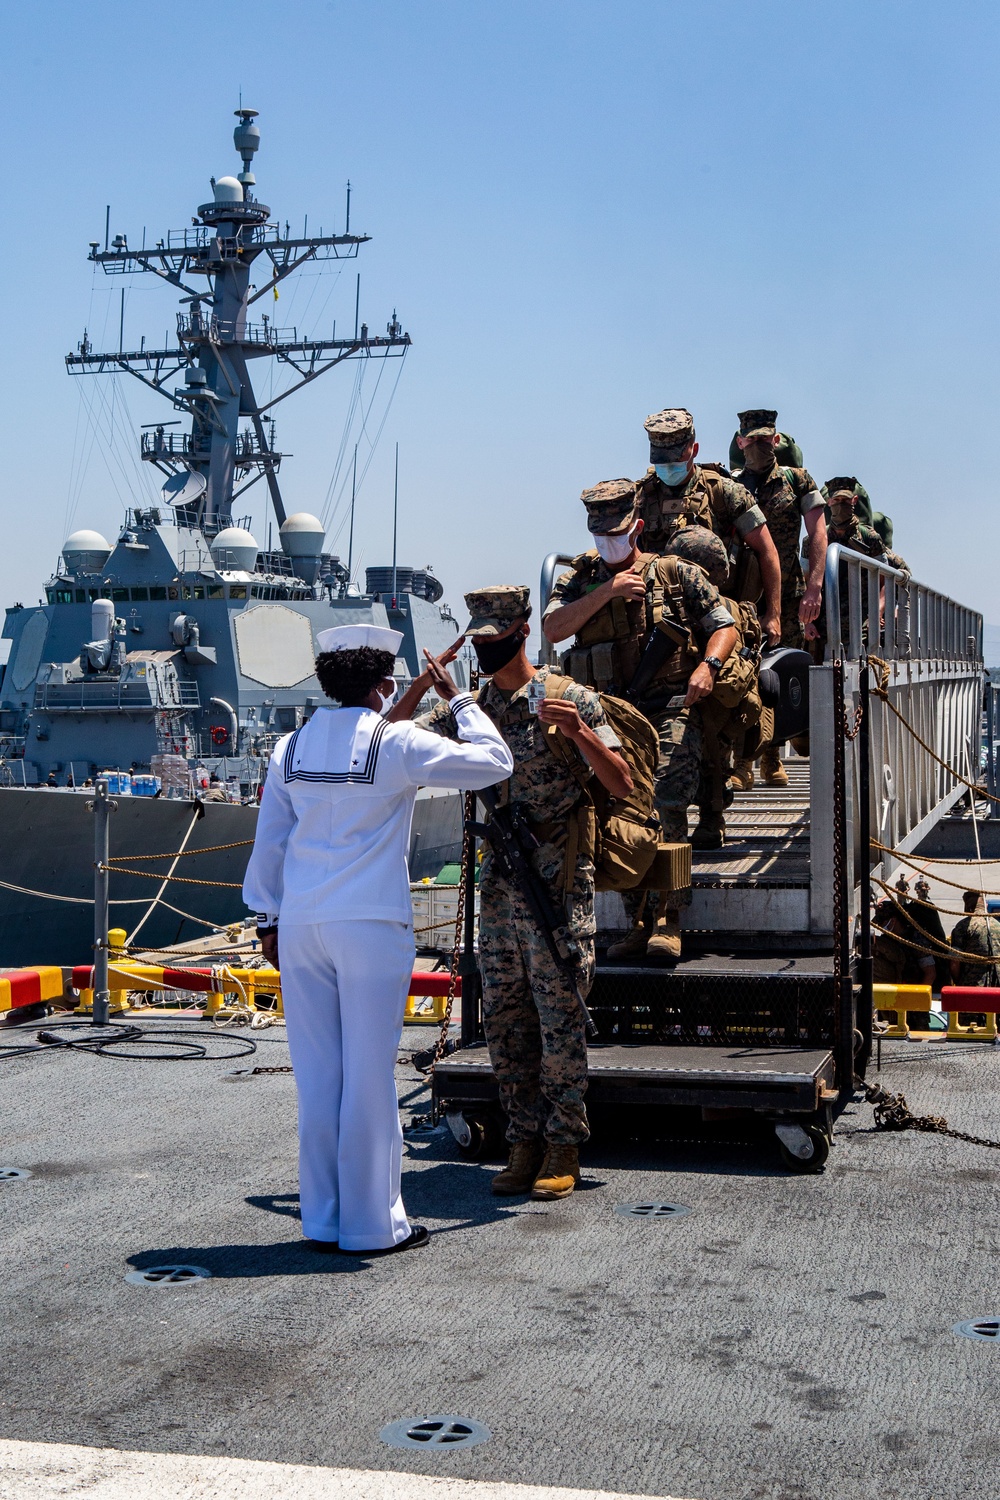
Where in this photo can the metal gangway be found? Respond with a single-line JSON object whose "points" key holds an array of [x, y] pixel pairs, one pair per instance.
{"points": [[773, 883]]}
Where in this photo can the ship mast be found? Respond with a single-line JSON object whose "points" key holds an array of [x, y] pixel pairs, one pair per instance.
{"points": [[210, 263]]}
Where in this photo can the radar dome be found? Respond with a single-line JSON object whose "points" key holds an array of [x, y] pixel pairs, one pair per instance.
{"points": [[302, 535], [86, 552], [228, 190], [234, 550]]}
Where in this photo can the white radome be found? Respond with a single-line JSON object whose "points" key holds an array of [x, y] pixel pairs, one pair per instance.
{"points": [[234, 548], [228, 190], [302, 535]]}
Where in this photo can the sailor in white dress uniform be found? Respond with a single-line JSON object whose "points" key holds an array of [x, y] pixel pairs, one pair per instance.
{"points": [[329, 873]]}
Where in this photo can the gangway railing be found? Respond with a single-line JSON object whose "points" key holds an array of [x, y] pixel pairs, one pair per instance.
{"points": [[925, 654]]}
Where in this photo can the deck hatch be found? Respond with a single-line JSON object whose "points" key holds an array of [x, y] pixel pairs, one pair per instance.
{"points": [[168, 1276], [651, 1208], [11, 1174], [979, 1328]]}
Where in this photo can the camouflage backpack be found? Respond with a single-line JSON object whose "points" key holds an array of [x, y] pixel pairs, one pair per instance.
{"points": [[623, 834]]}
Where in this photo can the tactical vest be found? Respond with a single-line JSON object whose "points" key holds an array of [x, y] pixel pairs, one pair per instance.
{"points": [[701, 505], [607, 650]]}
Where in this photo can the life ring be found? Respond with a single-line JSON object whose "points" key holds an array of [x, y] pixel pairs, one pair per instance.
{"points": [[220, 734]]}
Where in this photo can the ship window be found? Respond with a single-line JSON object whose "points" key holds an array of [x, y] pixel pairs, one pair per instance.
{"points": [[120, 596], [64, 596], [81, 596], [237, 591], [185, 591], [199, 591], [138, 594], [158, 593], [172, 592], [256, 592], [50, 594], [216, 591], [94, 593]]}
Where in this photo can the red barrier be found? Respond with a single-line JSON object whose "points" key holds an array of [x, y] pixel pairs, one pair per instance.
{"points": [[424, 983], [971, 999]]}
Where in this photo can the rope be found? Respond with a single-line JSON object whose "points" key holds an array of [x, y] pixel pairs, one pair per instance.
{"points": [[228, 885], [182, 853], [943, 952], [880, 689], [959, 885], [152, 905]]}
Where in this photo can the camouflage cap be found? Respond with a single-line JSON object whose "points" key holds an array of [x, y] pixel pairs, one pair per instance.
{"points": [[611, 506], [699, 545], [495, 610], [670, 432], [758, 423], [844, 485]]}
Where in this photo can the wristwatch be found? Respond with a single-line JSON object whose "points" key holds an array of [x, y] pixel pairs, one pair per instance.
{"points": [[714, 662]]}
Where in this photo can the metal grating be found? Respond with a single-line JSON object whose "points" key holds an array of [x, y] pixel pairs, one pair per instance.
{"points": [[987, 1329], [435, 1432], [716, 1009], [168, 1276]]}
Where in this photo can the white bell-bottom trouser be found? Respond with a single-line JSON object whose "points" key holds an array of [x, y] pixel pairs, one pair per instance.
{"points": [[344, 988]]}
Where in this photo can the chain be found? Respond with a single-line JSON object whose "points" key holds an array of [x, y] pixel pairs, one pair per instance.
{"points": [[849, 733], [468, 845], [893, 1113], [939, 950]]}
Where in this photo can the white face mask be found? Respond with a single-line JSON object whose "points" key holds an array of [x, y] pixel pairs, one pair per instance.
{"points": [[615, 549], [388, 699]]}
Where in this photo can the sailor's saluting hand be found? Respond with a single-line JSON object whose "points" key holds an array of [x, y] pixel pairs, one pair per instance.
{"points": [[435, 675]]}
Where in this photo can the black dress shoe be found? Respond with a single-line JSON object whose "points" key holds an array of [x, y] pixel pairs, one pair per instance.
{"points": [[323, 1247], [418, 1235]]}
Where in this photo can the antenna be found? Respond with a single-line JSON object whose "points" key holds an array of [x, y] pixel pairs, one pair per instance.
{"points": [[350, 538], [347, 226], [107, 227], [395, 512], [121, 325], [357, 305]]}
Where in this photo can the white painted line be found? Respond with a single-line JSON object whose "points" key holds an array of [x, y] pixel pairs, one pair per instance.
{"points": [[31, 1471]]}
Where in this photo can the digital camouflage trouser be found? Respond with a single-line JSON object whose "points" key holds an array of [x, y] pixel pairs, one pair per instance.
{"points": [[677, 774], [534, 1023]]}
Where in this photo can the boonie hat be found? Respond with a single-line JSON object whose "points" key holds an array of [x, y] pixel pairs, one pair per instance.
{"points": [[670, 431], [353, 637], [611, 506], [495, 610], [758, 423]]}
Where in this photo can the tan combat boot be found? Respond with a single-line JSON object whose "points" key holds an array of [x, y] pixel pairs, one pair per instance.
{"points": [[559, 1174], [632, 945], [771, 769], [710, 832], [665, 944], [741, 779], [521, 1170]]}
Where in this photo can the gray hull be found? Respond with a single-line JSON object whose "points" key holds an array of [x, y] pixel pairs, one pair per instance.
{"points": [[48, 843]]}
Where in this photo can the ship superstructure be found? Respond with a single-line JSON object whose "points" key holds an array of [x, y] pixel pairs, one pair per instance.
{"points": [[184, 637]]}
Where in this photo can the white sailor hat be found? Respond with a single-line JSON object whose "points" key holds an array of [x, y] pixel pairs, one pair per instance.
{"points": [[353, 637]]}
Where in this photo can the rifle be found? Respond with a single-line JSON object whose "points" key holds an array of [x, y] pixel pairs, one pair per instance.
{"points": [[512, 841], [664, 638]]}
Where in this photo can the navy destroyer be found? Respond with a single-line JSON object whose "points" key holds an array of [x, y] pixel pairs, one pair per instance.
{"points": [[176, 655]]}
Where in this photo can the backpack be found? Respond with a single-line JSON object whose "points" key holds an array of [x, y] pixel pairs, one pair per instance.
{"points": [[625, 832]]}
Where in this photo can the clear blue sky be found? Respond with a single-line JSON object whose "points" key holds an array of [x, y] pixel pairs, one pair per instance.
{"points": [[582, 212]]}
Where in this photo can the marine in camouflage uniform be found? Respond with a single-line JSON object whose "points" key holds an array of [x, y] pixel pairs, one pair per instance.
{"points": [[786, 497], [842, 497], [676, 492], [534, 1023], [976, 933], [609, 644]]}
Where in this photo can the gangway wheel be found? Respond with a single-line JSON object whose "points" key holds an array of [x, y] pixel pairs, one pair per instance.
{"points": [[477, 1133], [804, 1148]]}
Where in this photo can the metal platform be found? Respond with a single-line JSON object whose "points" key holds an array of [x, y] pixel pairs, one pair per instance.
{"points": [[785, 1080]]}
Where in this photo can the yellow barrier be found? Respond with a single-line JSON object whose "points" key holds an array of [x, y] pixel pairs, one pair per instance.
{"points": [[900, 999]]}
